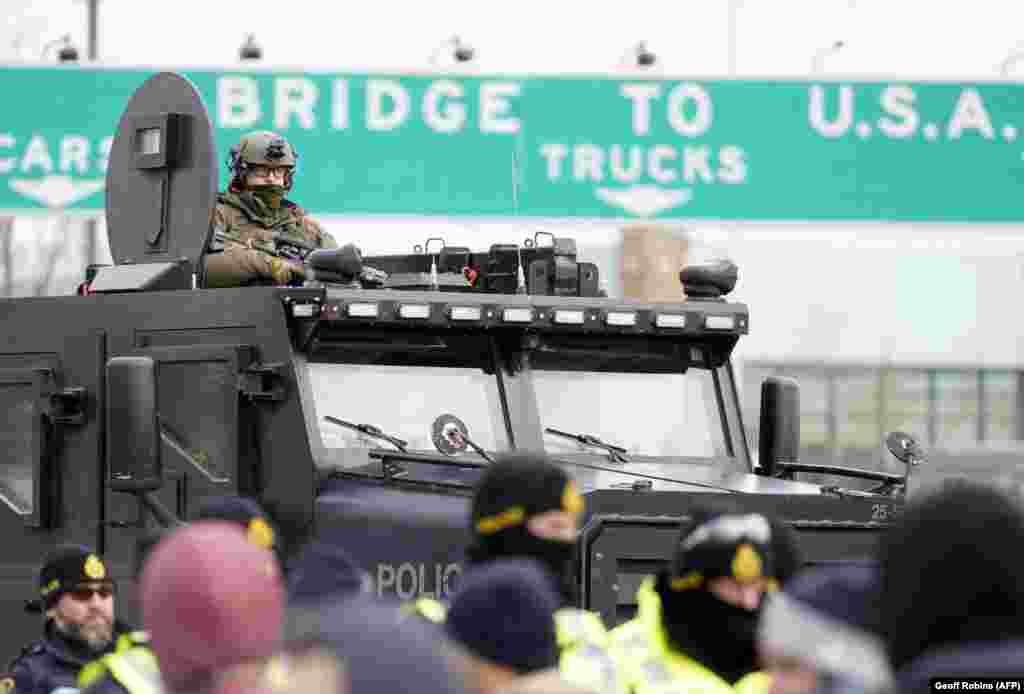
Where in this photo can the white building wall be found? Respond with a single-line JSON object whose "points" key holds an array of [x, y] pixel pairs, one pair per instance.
{"points": [[900, 294]]}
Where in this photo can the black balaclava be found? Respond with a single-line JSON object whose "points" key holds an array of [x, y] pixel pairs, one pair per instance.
{"points": [[512, 490], [697, 623]]}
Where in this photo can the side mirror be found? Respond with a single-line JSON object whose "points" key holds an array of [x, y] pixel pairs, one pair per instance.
{"points": [[133, 426], [905, 448], [780, 424]]}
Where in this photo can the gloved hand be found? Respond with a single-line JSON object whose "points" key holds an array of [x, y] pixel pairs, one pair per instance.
{"points": [[285, 272]]}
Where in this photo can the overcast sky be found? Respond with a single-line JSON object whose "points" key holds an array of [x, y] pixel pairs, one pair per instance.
{"points": [[893, 38]]}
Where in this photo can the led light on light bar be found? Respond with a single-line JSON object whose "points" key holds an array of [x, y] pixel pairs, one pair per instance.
{"points": [[517, 315], [620, 318], [569, 317], [304, 310], [670, 320], [465, 313], [720, 322], [362, 310], [414, 311]]}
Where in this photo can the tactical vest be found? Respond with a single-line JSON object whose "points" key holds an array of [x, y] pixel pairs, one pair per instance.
{"points": [[236, 220], [640, 649], [135, 668], [584, 658]]}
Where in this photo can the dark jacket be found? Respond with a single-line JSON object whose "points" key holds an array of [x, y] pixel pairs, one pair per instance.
{"points": [[386, 653], [963, 660], [51, 665]]}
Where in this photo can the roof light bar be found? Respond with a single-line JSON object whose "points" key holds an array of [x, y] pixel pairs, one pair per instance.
{"points": [[567, 317], [465, 313], [517, 315], [620, 318], [414, 310], [720, 322], [363, 310], [670, 320]]}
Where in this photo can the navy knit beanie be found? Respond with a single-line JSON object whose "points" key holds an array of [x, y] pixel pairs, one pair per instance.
{"points": [[830, 619], [323, 571], [503, 612], [243, 511]]}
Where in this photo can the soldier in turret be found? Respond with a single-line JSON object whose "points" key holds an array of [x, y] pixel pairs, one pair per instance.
{"points": [[259, 236]]}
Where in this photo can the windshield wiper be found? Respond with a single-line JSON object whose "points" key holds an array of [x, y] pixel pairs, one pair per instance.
{"points": [[616, 453], [459, 438], [371, 431]]}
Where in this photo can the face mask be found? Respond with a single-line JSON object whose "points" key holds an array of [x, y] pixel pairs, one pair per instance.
{"points": [[558, 557], [269, 195], [721, 635]]}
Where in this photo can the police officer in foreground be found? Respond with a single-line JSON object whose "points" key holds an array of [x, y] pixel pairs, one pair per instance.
{"points": [[527, 507], [822, 634], [252, 210], [135, 670], [243, 511], [503, 620], [696, 626], [214, 604], [76, 595]]}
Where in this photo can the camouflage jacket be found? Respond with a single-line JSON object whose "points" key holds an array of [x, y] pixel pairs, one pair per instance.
{"points": [[242, 247]]}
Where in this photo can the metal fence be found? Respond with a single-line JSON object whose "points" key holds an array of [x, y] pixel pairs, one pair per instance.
{"points": [[847, 409]]}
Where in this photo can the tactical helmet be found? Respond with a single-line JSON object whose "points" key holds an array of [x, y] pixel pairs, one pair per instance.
{"points": [[262, 148]]}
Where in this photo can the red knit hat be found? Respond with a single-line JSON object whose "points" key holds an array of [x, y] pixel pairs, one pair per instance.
{"points": [[210, 599]]}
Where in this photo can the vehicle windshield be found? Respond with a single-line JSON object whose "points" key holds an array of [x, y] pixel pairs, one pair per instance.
{"points": [[404, 402], [648, 415]]}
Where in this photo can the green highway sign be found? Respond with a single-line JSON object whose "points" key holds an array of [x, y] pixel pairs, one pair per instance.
{"points": [[599, 147]]}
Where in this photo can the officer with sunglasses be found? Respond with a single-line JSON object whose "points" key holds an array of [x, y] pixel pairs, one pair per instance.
{"points": [[76, 596]]}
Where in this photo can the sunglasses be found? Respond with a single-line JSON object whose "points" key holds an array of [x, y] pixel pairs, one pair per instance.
{"points": [[85, 594]]}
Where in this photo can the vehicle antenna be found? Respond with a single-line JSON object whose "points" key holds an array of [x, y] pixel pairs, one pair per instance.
{"points": [[520, 275]]}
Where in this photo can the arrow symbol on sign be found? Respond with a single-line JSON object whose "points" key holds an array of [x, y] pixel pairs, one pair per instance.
{"points": [[645, 201], [56, 191]]}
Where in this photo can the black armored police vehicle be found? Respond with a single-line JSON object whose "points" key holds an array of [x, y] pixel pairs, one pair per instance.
{"points": [[365, 403]]}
